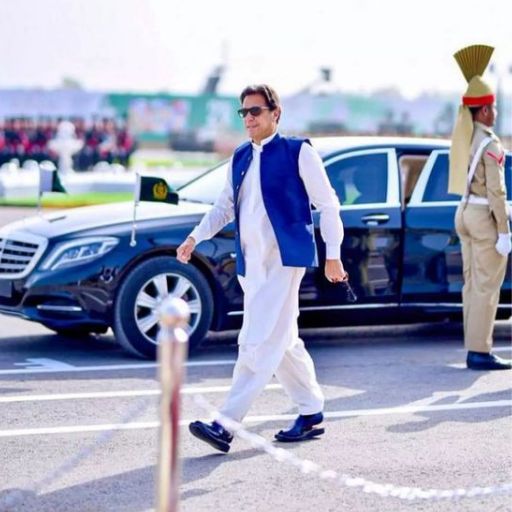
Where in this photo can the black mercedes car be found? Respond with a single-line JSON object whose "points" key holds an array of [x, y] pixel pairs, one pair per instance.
{"points": [[75, 271]]}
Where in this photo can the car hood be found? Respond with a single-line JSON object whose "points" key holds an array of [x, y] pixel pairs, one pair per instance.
{"points": [[76, 220]]}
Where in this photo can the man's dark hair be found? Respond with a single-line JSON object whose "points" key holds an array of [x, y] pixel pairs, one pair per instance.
{"points": [[474, 110], [271, 98]]}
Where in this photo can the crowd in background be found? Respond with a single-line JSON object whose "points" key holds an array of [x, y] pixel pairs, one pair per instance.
{"points": [[28, 139]]}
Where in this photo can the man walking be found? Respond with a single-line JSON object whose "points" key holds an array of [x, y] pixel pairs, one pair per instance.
{"points": [[271, 183], [477, 162]]}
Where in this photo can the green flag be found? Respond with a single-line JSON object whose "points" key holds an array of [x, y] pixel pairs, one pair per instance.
{"points": [[149, 188]]}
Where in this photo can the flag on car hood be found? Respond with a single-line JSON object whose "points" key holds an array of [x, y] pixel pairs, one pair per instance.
{"points": [[150, 188]]}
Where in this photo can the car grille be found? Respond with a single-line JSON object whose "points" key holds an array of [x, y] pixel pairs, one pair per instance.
{"points": [[19, 253]]}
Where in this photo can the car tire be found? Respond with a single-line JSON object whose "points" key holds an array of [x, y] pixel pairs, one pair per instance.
{"points": [[135, 309]]}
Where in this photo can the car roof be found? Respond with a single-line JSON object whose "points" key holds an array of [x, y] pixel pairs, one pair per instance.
{"points": [[326, 145]]}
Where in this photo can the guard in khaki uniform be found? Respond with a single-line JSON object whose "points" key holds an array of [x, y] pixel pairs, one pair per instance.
{"points": [[477, 173]]}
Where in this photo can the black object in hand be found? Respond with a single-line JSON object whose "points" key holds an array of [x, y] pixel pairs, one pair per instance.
{"points": [[350, 294]]}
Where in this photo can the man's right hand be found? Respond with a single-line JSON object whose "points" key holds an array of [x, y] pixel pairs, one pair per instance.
{"points": [[185, 250]]}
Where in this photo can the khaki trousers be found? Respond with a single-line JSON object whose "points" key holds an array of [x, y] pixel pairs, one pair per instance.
{"points": [[484, 271]]}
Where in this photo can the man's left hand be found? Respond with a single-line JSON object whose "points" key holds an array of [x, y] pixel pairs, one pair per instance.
{"points": [[334, 271]]}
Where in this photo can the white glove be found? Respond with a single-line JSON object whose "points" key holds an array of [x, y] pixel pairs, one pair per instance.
{"points": [[504, 244]]}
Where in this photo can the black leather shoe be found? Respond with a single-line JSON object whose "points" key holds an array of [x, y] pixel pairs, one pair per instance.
{"points": [[302, 429], [483, 361], [213, 434]]}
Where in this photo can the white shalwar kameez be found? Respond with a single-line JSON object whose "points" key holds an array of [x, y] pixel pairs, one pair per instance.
{"points": [[269, 340]]}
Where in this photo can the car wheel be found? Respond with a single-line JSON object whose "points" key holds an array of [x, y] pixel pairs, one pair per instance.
{"points": [[136, 307]]}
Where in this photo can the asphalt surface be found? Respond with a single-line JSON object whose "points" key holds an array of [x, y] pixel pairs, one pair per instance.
{"points": [[401, 409], [59, 396]]}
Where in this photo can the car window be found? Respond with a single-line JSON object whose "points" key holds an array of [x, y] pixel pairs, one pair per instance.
{"points": [[437, 186], [361, 179], [207, 187]]}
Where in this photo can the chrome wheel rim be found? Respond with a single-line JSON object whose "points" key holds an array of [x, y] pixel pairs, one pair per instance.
{"points": [[151, 295]]}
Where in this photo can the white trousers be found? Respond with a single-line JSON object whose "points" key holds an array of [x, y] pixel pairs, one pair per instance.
{"points": [[269, 342]]}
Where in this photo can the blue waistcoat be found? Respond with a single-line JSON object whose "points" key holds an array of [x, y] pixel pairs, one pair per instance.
{"points": [[285, 198]]}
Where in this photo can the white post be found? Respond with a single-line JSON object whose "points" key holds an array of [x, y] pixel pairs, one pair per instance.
{"points": [[172, 352]]}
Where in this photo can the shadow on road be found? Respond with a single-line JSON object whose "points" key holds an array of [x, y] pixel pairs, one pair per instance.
{"points": [[132, 491]]}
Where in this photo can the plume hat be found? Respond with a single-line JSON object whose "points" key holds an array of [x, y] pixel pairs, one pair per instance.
{"points": [[473, 61]]}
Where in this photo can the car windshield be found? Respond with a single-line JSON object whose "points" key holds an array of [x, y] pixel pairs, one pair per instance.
{"points": [[207, 187]]}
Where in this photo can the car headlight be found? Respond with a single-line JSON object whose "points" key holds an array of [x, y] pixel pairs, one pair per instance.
{"points": [[77, 252]]}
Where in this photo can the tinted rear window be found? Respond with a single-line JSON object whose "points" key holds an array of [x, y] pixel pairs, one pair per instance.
{"points": [[437, 186]]}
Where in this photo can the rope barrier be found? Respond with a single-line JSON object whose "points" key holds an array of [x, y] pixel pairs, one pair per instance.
{"points": [[367, 486]]}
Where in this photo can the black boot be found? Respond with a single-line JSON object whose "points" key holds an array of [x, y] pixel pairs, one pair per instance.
{"points": [[214, 434], [302, 429], [484, 361]]}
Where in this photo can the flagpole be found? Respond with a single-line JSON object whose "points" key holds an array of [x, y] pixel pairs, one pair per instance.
{"points": [[136, 196], [39, 203], [39, 188]]}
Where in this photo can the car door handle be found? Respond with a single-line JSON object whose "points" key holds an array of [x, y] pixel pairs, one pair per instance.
{"points": [[375, 219]]}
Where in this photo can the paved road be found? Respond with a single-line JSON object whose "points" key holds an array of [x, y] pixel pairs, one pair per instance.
{"points": [[58, 395]]}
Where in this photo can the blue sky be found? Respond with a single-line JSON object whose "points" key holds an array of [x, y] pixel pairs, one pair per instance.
{"points": [[165, 45]]}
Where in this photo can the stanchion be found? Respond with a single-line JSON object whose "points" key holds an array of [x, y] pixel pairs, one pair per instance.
{"points": [[172, 351]]}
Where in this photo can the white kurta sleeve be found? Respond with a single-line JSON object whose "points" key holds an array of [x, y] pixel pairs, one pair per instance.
{"points": [[222, 213], [323, 197]]}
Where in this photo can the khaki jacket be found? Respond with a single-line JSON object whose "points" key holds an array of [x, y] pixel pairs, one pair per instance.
{"points": [[489, 178]]}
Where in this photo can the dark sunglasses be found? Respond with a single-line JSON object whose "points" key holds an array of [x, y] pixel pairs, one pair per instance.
{"points": [[254, 111]]}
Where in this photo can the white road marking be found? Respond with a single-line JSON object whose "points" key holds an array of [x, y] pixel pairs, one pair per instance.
{"points": [[191, 390], [110, 367], [506, 348], [405, 409], [55, 366], [42, 362], [78, 429], [75, 429]]}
